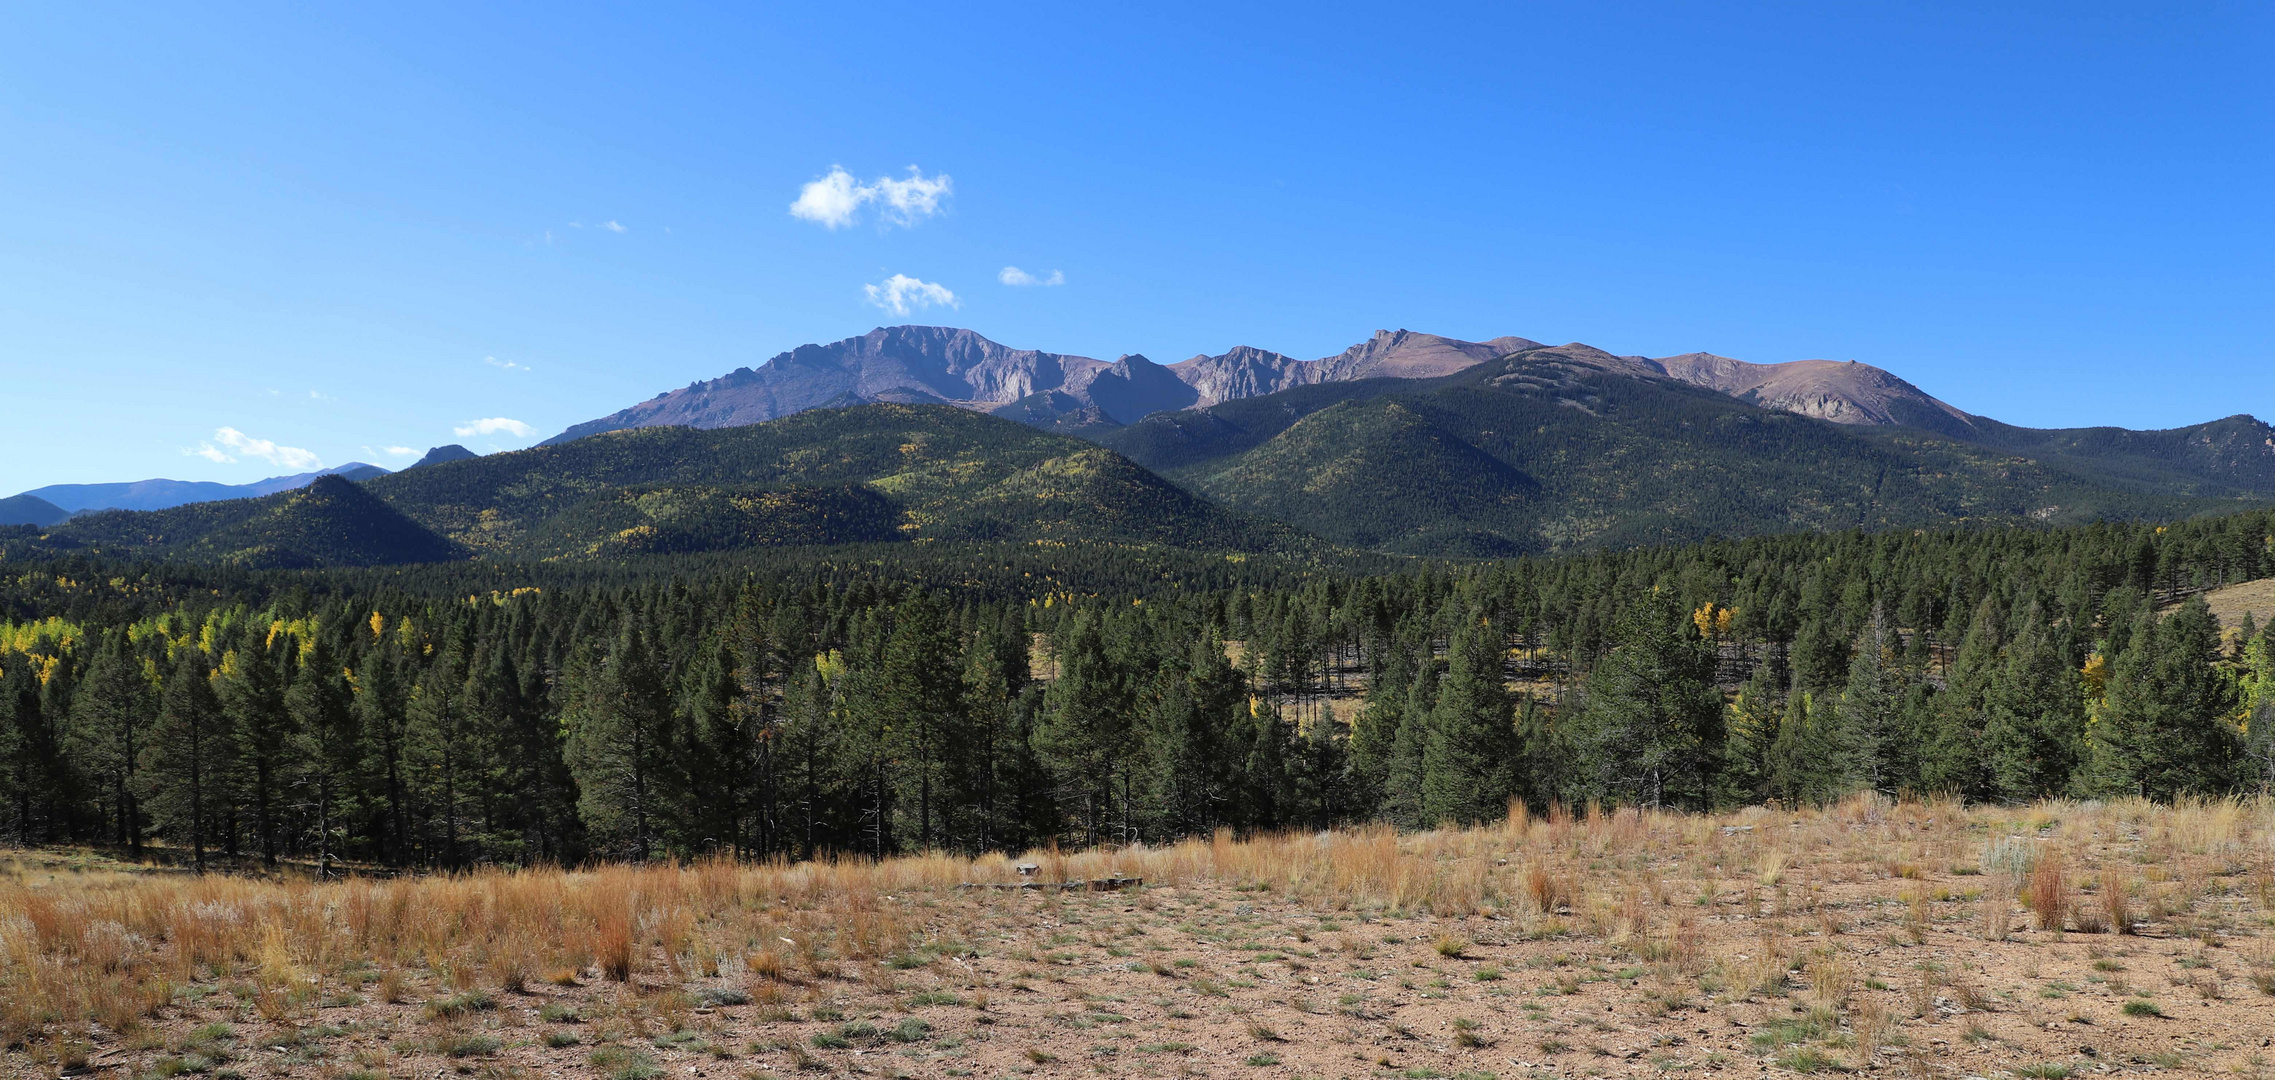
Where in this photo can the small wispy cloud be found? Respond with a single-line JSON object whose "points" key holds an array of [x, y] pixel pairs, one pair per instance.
{"points": [[834, 201], [319, 395], [492, 426], [901, 294], [508, 365], [390, 451], [291, 457], [612, 226], [1012, 275]]}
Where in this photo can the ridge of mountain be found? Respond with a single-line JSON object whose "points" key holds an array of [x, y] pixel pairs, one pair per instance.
{"points": [[1084, 396], [1844, 392], [160, 494]]}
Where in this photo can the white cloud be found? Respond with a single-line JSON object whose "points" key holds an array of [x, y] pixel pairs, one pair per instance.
{"points": [[1012, 275], [914, 199], [901, 294], [509, 365], [614, 227], [830, 201], [210, 452], [391, 451], [835, 200], [291, 457], [493, 425]]}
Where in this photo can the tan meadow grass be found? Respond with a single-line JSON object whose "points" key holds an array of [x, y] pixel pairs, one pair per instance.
{"points": [[1754, 903]]}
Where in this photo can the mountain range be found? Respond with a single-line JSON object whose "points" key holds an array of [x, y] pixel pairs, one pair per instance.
{"points": [[880, 473], [1406, 444], [54, 503], [949, 366], [161, 494], [946, 366]]}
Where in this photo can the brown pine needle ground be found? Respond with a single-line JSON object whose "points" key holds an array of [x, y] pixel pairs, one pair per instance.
{"points": [[1865, 936]]}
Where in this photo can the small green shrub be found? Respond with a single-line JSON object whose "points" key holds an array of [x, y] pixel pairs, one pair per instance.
{"points": [[911, 1030], [472, 1001]]}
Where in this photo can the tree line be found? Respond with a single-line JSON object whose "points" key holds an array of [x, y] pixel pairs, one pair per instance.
{"points": [[784, 709]]}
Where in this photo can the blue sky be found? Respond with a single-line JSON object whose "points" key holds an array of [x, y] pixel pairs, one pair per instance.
{"points": [[331, 231]]}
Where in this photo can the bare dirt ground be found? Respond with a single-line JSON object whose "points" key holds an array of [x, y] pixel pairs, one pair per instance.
{"points": [[1870, 937]]}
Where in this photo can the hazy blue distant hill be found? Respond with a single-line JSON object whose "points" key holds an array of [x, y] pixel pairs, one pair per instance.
{"points": [[161, 494], [30, 510]]}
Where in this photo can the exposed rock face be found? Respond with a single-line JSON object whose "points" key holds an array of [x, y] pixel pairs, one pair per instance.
{"points": [[1246, 371]]}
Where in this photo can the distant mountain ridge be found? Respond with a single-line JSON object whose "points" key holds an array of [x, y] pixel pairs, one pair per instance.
{"points": [[163, 494], [1085, 395], [950, 366]]}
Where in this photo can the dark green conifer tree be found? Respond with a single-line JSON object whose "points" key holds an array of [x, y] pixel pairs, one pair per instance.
{"points": [[2164, 728], [1952, 756], [2034, 725], [1469, 752], [326, 752], [1650, 726], [1872, 710], [177, 772], [1086, 729], [443, 750], [1402, 787], [621, 752], [111, 714], [33, 772], [1751, 732], [251, 687], [1813, 761]]}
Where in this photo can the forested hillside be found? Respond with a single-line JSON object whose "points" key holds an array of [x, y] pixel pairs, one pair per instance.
{"points": [[330, 522], [477, 712], [1562, 448], [877, 473]]}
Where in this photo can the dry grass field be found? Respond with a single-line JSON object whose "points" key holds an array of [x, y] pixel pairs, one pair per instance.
{"points": [[1920, 940], [2232, 603]]}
